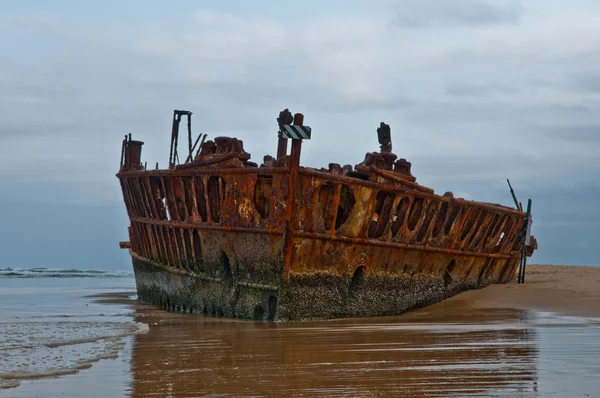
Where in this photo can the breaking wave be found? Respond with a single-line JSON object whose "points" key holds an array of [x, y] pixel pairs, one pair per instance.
{"points": [[61, 273], [32, 350]]}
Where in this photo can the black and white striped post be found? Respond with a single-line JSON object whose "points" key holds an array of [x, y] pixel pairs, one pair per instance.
{"points": [[296, 132]]}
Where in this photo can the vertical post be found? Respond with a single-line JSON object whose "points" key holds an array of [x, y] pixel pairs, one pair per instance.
{"points": [[189, 128], [173, 133], [176, 144], [285, 117], [281, 147], [293, 188], [525, 232], [525, 238], [512, 192], [123, 153]]}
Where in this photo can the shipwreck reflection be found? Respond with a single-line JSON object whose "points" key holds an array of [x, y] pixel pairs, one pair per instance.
{"points": [[438, 352]]}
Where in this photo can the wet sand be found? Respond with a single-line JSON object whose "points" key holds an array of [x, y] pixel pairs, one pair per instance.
{"points": [[569, 290], [504, 340]]}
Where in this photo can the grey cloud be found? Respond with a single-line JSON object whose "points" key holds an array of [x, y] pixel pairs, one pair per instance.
{"points": [[478, 90], [589, 134], [428, 13], [589, 83]]}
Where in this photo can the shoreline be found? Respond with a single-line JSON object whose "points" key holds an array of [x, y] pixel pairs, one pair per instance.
{"points": [[564, 289]]}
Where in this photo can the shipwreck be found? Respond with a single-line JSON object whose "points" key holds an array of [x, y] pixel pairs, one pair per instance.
{"points": [[218, 234]]}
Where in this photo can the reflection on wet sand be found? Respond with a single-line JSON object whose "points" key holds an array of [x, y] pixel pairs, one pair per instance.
{"points": [[468, 345], [427, 353]]}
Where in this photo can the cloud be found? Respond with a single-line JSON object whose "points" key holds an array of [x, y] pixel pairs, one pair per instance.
{"points": [[475, 92], [432, 13], [480, 89], [588, 82]]}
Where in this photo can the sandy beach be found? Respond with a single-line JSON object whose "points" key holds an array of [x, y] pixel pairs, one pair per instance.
{"points": [[569, 290]]}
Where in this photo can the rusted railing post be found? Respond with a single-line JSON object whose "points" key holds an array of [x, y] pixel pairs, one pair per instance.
{"points": [[173, 153], [174, 132], [285, 117], [294, 165]]}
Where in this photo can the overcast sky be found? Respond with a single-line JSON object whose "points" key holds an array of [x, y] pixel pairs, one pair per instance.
{"points": [[476, 91]]}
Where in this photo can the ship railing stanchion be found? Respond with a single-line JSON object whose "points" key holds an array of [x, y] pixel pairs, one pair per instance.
{"points": [[296, 132], [285, 118]]}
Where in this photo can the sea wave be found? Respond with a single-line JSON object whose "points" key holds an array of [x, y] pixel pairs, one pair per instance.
{"points": [[33, 350], [61, 273]]}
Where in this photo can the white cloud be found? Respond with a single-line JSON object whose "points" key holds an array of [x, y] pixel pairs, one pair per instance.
{"points": [[471, 100]]}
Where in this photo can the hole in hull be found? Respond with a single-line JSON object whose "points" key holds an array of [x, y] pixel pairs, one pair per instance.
{"points": [[448, 274], [325, 200], [215, 187], [197, 245], [415, 213], [428, 218], [399, 215], [440, 220], [262, 195], [383, 210], [272, 308], [227, 274], [357, 280], [200, 200], [448, 227], [470, 223], [345, 207], [259, 312]]}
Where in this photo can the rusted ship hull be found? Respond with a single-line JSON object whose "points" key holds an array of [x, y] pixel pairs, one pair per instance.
{"points": [[316, 295], [217, 241], [221, 235]]}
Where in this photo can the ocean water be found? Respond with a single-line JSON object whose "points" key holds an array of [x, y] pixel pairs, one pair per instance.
{"points": [[75, 333], [50, 327]]}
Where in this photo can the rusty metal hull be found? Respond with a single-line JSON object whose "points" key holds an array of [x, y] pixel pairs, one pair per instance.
{"points": [[238, 242], [302, 296]]}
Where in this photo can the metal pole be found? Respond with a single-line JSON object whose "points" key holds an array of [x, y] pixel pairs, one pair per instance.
{"points": [[175, 153], [291, 199], [201, 142], [173, 133], [123, 152], [524, 255], [189, 126], [189, 159], [512, 192]]}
